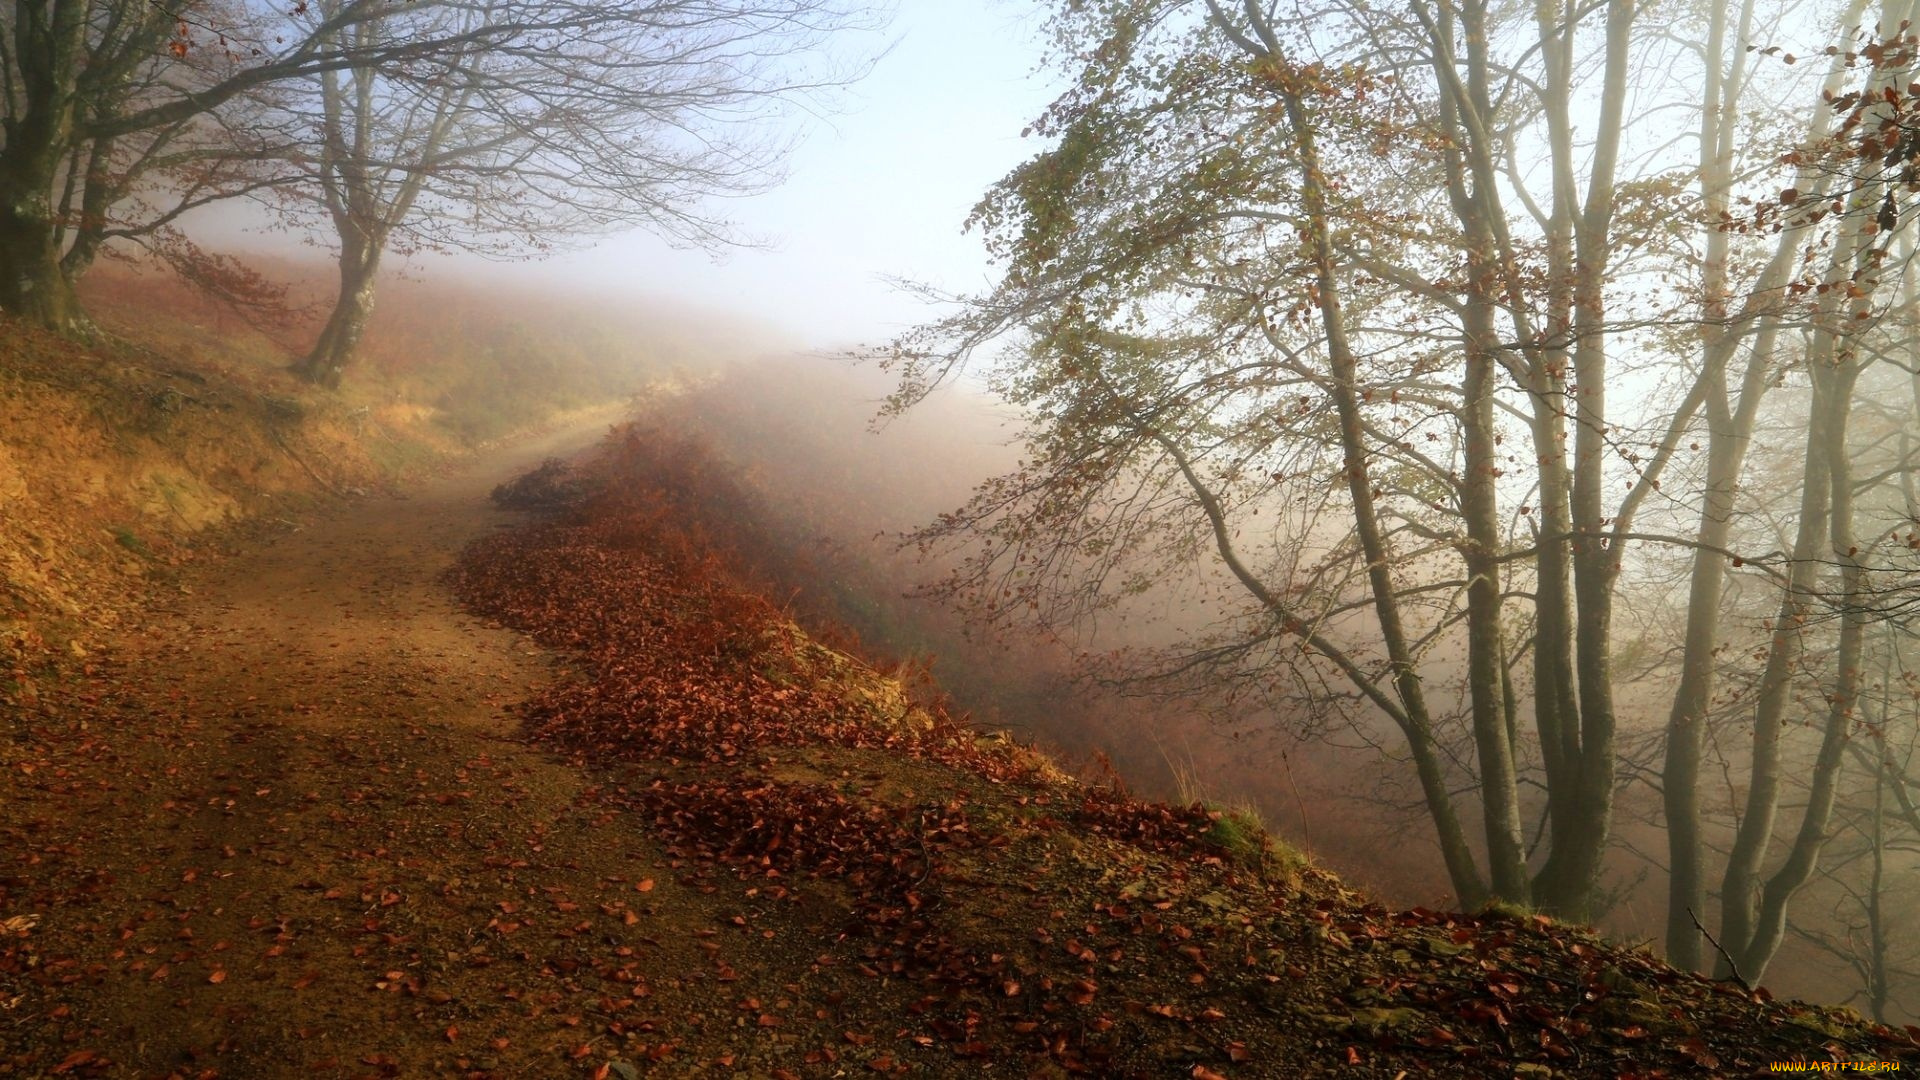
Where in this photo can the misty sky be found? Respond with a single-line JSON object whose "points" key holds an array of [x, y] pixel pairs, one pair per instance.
{"points": [[880, 189]]}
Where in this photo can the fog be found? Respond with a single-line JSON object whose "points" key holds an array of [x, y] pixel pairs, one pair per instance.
{"points": [[838, 491], [1500, 467], [845, 487]]}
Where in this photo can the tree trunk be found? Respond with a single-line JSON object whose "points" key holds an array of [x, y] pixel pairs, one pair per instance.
{"points": [[49, 41], [1474, 205], [32, 286], [1686, 722], [1843, 694], [339, 339], [1454, 850], [1486, 651], [1751, 839]]}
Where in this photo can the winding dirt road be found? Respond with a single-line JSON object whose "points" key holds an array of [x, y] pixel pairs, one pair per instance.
{"points": [[285, 828]]}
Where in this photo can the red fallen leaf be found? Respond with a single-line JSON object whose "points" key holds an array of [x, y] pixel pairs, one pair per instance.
{"points": [[501, 1043], [768, 1020], [583, 1050], [219, 976], [160, 972], [645, 885], [858, 1039], [1010, 988], [75, 1060], [1237, 1051], [1353, 1056], [601, 1072], [1702, 1056], [453, 1033], [1201, 1072]]}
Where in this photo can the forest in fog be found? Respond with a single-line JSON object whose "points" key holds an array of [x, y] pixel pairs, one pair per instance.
{"points": [[1526, 392], [1510, 411]]}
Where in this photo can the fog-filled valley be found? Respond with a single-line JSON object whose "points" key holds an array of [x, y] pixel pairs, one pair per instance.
{"points": [[839, 491], [829, 495]]}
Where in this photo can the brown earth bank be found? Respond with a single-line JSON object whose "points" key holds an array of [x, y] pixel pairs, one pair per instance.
{"points": [[179, 422], [619, 816]]}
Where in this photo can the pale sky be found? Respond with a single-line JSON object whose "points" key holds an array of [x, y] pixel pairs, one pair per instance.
{"points": [[880, 189]]}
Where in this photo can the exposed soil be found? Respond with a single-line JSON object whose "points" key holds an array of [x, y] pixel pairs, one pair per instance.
{"points": [[285, 829], [310, 817]]}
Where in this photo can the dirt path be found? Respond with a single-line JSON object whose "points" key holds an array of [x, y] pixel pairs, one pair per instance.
{"points": [[286, 830], [290, 828]]}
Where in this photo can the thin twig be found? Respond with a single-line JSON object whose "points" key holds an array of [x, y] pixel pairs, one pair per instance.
{"points": [[1724, 955]]}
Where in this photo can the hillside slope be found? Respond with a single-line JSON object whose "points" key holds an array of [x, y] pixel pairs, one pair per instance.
{"points": [[622, 817], [179, 423], [959, 893]]}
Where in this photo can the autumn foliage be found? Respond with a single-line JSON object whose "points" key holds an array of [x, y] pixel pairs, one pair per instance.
{"points": [[965, 899]]}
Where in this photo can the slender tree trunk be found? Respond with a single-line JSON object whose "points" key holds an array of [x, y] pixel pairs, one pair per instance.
{"points": [[98, 193], [1556, 708], [1843, 694], [1878, 991], [1753, 914], [1739, 881], [1474, 205], [1270, 65], [1727, 440], [1729, 434], [1454, 849], [1486, 652], [1581, 721], [339, 339]]}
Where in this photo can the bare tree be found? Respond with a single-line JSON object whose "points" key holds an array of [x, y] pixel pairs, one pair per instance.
{"points": [[120, 115], [1336, 304], [636, 114], [102, 94]]}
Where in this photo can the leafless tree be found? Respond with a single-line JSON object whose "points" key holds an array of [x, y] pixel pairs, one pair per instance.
{"points": [[1338, 306], [121, 115], [587, 118]]}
